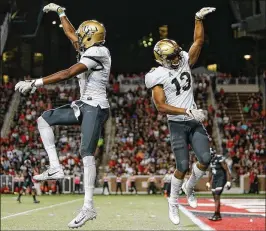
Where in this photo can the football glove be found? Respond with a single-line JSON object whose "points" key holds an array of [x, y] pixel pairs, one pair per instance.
{"points": [[208, 185], [200, 15], [53, 7], [27, 85], [228, 185], [197, 114]]}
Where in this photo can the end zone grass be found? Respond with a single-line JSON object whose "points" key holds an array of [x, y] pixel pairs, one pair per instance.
{"points": [[114, 213]]}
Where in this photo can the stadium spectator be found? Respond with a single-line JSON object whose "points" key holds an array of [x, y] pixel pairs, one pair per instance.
{"points": [[119, 184], [152, 184], [77, 183], [106, 183]]}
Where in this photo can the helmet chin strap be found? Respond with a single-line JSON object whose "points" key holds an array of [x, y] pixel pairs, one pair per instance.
{"points": [[168, 64]]}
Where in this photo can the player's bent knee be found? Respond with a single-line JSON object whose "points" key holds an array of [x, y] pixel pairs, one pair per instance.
{"points": [[182, 166], [85, 152], [42, 123], [205, 159]]}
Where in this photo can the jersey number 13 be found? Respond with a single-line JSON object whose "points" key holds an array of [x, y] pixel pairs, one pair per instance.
{"points": [[186, 76]]}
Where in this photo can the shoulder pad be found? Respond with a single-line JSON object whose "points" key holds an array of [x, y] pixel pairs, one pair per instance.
{"points": [[185, 55], [154, 77], [155, 71], [94, 51]]}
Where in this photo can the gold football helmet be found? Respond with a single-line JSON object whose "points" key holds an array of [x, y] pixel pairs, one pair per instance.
{"points": [[89, 33], [167, 53]]}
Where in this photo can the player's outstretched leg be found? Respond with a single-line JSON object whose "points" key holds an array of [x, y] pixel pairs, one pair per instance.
{"points": [[55, 171], [173, 199], [87, 212], [200, 143], [180, 150], [188, 186], [92, 122]]}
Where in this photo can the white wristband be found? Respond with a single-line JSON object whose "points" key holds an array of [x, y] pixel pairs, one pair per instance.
{"points": [[62, 14], [38, 82]]}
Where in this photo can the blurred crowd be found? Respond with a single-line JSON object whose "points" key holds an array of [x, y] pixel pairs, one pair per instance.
{"points": [[243, 141], [142, 139], [6, 92]]}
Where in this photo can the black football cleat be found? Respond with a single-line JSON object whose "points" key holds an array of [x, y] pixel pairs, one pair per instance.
{"points": [[36, 202], [215, 217]]}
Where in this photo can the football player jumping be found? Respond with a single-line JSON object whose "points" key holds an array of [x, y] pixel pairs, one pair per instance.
{"points": [[172, 92], [90, 112]]}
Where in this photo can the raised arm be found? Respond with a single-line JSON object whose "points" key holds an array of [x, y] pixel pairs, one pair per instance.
{"points": [[69, 29], [85, 64], [27, 85], [195, 49]]}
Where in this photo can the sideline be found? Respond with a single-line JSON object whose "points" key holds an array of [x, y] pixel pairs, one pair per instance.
{"points": [[194, 219]]}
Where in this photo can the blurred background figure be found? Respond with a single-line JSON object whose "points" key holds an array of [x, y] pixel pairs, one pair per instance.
{"points": [[167, 184], [106, 183], [77, 183], [118, 184], [152, 184], [132, 180]]}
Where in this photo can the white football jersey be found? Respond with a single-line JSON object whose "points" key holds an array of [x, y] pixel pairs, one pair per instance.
{"points": [[177, 85], [93, 83]]}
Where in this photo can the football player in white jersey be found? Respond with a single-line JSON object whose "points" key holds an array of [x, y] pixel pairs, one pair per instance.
{"points": [[90, 111], [172, 92]]}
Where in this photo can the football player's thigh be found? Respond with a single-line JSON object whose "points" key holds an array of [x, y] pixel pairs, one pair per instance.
{"points": [[91, 126], [218, 185], [199, 141], [179, 145], [63, 115]]}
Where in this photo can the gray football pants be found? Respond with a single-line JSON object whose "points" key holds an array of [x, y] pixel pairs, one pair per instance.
{"points": [[91, 119], [190, 132]]}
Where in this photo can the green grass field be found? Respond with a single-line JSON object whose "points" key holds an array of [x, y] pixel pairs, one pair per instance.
{"points": [[126, 212], [114, 213]]}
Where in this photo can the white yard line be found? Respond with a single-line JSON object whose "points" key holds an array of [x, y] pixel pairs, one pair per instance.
{"points": [[235, 213], [38, 209], [194, 219]]}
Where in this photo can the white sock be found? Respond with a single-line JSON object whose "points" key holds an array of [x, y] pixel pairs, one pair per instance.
{"points": [[47, 136], [176, 185], [89, 179], [195, 176]]}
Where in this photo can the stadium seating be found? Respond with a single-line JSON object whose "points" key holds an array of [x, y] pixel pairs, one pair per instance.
{"points": [[240, 121], [6, 92], [142, 139]]}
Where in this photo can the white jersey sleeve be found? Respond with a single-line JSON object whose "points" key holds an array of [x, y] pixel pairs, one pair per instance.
{"points": [[92, 58], [185, 55], [154, 77]]}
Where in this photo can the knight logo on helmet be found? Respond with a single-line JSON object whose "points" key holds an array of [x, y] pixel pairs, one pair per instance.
{"points": [[167, 53], [90, 33]]}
